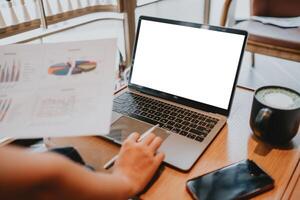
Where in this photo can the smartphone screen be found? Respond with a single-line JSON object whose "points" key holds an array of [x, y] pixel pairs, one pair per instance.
{"points": [[237, 181]]}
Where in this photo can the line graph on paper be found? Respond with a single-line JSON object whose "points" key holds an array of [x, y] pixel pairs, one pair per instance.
{"points": [[5, 104], [10, 72]]}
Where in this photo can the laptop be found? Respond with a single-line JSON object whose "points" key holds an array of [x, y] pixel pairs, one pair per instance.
{"points": [[183, 77]]}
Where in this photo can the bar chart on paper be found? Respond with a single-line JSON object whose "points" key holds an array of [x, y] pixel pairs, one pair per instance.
{"points": [[5, 104], [10, 72]]}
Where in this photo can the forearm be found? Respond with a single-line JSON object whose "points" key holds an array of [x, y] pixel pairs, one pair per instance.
{"points": [[25, 175], [79, 183]]}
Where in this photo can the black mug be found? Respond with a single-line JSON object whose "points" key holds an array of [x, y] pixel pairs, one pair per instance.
{"points": [[275, 114]]}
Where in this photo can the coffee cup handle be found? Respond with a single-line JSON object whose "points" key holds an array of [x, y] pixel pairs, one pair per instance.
{"points": [[262, 118]]}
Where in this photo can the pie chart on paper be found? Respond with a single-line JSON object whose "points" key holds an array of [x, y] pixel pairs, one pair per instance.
{"points": [[66, 69], [59, 69], [83, 66]]}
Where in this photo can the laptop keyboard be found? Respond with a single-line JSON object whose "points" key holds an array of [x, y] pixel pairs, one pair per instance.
{"points": [[173, 118]]}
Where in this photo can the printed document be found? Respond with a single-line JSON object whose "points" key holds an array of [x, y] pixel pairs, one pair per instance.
{"points": [[62, 89]]}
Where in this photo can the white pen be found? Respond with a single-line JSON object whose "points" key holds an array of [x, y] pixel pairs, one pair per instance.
{"points": [[145, 134]]}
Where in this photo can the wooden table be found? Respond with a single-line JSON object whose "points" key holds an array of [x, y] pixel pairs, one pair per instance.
{"points": [[234, 143]]}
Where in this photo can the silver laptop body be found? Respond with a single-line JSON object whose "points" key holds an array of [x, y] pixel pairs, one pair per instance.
{"points": [[186, 68]]}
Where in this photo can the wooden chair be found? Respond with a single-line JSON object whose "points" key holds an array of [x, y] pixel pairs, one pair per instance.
{"points": [[127, 7], [45, 18], [268, 39]]}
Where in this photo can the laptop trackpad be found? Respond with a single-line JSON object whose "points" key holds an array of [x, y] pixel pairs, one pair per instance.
{"points": [[124, 126], [180, 151]]}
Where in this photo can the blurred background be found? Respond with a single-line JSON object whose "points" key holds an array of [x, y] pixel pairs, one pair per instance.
{"points": [[43, 21]]}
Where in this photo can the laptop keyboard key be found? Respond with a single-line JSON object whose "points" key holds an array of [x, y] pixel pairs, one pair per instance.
{"points": [[188, 114], [187, 118], [153, 107], [145, 119], [180, 111], [200, 127], [159, 109], [167, 112], [137, 112], [194, 116], [164, 116], [199, 138], [180, 116], [205, 131], [171, 118], [178, 120], [195, 121], [197, 132], [201, 119], [158, 114], [163, 121], [192, 136], [150, 116], [211, 126], [171, 123], [184, 133], [176, 130], [186, 123], [145, 109], [178, 125], [187, 128], [151, 111], [173, 114], [157, 118], [168, 127], [193, 125], [173, 109]]}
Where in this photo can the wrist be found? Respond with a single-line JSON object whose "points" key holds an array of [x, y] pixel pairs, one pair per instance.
{"points": [[125, 186]]}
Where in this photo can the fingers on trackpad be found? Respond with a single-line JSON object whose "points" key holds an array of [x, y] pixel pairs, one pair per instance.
{"points": [[124, 126]]}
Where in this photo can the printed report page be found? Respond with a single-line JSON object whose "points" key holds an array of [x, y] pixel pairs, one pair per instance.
{"points": [[62, 89]]}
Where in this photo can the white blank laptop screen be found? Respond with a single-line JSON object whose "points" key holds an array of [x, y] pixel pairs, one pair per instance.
{"points": [[193, 63]]}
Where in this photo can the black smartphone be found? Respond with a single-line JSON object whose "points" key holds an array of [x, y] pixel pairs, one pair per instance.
{"points": [[240, 180]]}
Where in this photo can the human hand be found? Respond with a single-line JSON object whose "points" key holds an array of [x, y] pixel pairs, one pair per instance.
{"points": [[138, 161]]}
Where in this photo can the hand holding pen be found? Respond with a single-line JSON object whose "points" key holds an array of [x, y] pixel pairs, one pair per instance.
{"points": [[145, 134], [138, 160]]}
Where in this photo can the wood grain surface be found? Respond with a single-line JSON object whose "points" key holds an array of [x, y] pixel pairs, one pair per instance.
{"points": [[235, 142]]}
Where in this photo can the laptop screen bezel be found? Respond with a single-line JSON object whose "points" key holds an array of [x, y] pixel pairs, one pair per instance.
{"points": [[181, 100]]}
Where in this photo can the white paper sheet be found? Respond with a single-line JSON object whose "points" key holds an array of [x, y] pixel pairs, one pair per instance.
{"points": [[63, 89], [287, 22]]}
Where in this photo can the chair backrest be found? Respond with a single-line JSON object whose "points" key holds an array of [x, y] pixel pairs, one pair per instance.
{"points": [[275, 8], [41, 13]]}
